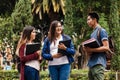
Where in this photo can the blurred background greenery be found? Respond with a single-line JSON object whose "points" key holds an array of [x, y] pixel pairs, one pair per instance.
{"points": [[16, 14]]}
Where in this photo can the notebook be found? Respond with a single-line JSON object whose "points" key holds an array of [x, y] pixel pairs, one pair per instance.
{"points": [[66, 43], [31, 48]]}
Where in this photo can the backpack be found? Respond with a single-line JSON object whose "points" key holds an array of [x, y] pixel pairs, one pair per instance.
{"points": [[110, 53]]}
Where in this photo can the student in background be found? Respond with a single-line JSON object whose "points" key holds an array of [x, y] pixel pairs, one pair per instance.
{"points": [[59, 64], [30, 64], [1, 59], [8, 66]]}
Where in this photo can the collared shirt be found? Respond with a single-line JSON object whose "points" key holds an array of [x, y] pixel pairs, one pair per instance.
{"points": [[98, 57]]}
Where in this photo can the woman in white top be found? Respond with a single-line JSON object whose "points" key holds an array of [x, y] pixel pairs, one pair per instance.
{"points": [[59, 63]]}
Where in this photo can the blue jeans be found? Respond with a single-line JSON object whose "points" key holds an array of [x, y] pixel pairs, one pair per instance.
{"points": [[31, 73], [60, 72]]}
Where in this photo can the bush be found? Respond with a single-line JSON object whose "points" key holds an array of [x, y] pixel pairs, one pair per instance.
{"points": [[44, 75], [9, 75]]}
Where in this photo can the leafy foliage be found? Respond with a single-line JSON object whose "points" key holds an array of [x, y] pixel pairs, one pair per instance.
{"points": [[44, 75], [6, 28], [68, 21], [22, 15], [114, 29], [41, 7]]}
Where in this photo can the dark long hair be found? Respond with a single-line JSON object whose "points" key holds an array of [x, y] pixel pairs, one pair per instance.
{"points": [[51, 34], [27, 32], [25, 36]]}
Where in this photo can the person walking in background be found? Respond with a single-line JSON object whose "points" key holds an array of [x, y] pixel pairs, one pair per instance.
{"points": [[8, 66], [97, 60], [30, 64], [1, 60], [59, 64]]}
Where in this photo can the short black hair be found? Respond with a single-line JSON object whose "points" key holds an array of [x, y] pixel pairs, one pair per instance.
{"points": [[94, 15]]}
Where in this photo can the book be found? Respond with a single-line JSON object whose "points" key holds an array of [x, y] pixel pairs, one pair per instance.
{"points": [[92, 43], [66, 43], [31, 48]]}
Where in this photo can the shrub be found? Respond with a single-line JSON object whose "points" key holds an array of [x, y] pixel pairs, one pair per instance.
{"points": [[44, 75]]}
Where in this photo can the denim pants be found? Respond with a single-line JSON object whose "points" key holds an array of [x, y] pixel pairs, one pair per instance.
{"points": [[31, 73], [60, 72]]}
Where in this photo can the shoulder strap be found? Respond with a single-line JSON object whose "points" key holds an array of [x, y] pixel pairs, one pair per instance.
{"points": [[98, 35]]}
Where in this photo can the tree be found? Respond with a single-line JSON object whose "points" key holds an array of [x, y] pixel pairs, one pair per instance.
{"points": [[6, 7], [22, 15], [6, 28], [51, 7], [68, 18], [114, 29]]}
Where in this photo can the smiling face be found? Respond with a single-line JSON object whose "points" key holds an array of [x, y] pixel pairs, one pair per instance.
{"points": [[55, 30], [58, 29]]}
